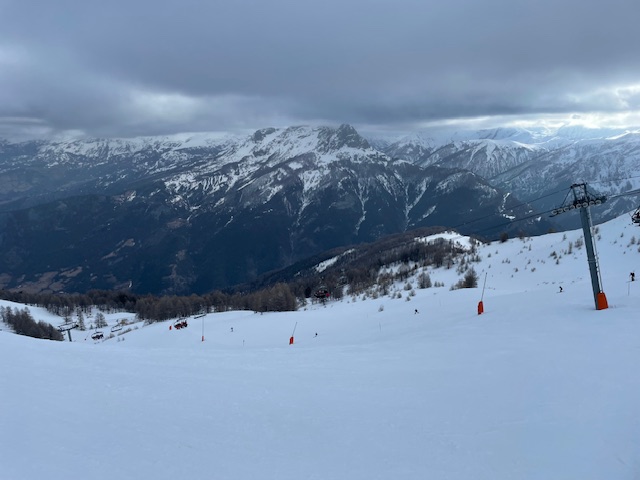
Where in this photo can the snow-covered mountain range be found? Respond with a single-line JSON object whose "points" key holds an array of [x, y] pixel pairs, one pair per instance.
{"points": [[196, 212], [535, 163]]}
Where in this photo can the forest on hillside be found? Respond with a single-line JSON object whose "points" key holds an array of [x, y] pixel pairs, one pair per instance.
{"points": [[371, 268]]}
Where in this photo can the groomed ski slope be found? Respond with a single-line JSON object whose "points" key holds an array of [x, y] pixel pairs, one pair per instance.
{"points": [[541, 386]]}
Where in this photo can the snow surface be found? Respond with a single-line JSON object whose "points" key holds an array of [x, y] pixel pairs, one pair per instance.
{"points": [[541, 386], [322, 266]]}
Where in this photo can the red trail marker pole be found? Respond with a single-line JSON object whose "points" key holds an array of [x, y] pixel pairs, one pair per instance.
{"points": [[480, 304]]}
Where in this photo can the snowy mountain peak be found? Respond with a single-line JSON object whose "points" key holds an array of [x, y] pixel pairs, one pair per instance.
{"points": [[421, 139], [331, 139], [519, 135], [261, 134], [325, 143], [580, 132]]}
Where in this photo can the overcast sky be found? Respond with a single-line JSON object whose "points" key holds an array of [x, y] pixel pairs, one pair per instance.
{"points": [[116, 68]]}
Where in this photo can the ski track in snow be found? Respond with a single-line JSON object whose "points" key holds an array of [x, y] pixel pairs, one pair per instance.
{"points": [[541, 386]]}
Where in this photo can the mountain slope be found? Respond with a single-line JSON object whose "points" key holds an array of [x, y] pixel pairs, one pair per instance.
{"points": [[218, 219], [541, 383], [535, 164]]}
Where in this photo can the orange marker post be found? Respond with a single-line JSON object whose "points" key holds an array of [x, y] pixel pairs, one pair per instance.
{"points": [[293, 333], [480, 304]]}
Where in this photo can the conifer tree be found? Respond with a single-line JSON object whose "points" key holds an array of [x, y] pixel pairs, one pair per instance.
{"points": [[80, 315], [101, 322]]}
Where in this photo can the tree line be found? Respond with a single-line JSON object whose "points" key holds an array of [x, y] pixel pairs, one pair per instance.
{"points": [[151, 308], [356, 270], [23, 323]]}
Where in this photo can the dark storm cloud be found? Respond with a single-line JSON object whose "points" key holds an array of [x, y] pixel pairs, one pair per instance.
{"points": [[143, 67]]}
